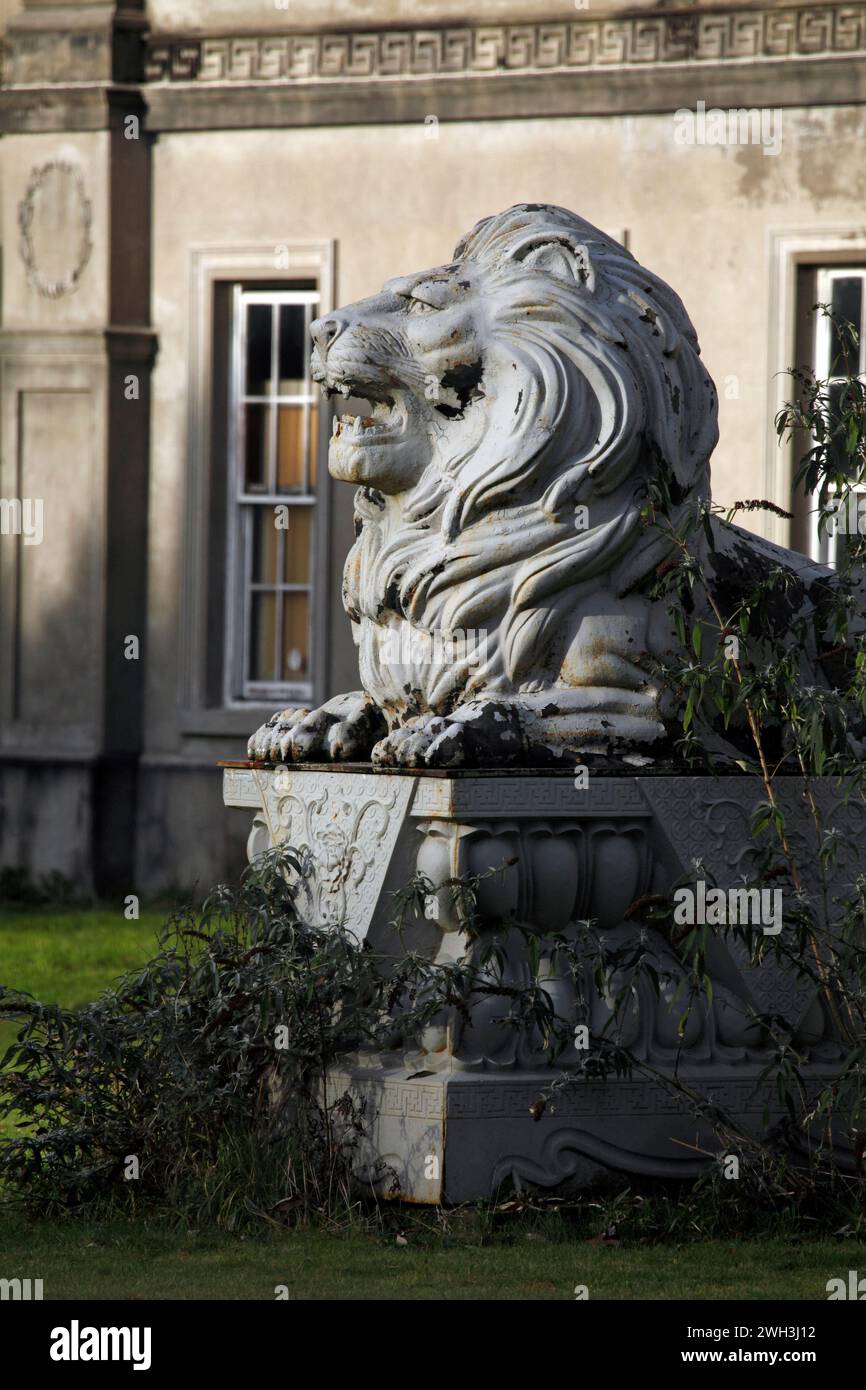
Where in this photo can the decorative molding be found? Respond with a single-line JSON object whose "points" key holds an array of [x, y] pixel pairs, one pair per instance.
{"points": [[538, 47], [802, 55], [65, 182], [344, 825], [527, 796], [479, 1125], [348, 831], [407, 1101], [242, 788], [56, 106], [50, 42], [708, 819], [479, 1096]]}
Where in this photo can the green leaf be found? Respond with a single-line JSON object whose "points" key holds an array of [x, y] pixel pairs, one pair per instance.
{"points": [[853, 435], [689, 712], [532, 954], [761, 817], [708, 530]]}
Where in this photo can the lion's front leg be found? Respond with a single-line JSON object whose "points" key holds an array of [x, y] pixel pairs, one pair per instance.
{"points": [[341, 730], [481, 733]]}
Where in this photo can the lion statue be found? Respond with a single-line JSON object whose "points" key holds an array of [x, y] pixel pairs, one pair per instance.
{"points": [[522, 398]]}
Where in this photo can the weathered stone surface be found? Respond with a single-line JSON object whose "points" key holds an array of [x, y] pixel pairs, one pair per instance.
{"points": [[458, 1137], [299, 72], [523, 398], [345, 825], [546, 855]]}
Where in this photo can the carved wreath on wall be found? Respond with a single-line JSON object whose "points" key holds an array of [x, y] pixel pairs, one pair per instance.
{"points": [[55, 217]]}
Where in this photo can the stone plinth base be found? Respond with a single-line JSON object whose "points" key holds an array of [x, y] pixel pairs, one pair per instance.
{"points": [[460, 1137], [447, 1113]]}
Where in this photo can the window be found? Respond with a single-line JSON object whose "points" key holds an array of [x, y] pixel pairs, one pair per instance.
{"points": [[835, 356], [273, 449], [217, 685]]}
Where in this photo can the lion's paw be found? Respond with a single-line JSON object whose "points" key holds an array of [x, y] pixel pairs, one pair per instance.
{"points": [[342, 730], [420, 743], [265, 744], [480, 734]]}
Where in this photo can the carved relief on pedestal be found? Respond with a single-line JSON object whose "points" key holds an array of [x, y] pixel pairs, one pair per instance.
{"points": [[544, 878], [344, 827], [708, 820], [55, 217], [576, 875], [555, 893]]}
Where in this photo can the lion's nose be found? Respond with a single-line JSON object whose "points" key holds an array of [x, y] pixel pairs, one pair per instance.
{"points": [[325, 332]]}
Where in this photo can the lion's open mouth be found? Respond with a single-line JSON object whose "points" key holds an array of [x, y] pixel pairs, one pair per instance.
{"points": [[385, 418]]}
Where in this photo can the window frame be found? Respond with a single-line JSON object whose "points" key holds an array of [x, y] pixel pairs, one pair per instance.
{"points": [[211, 267], [791, 250], [824, 547], [241, 504]]}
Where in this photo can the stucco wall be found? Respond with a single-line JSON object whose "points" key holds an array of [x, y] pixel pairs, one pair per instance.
{"points": [[396, 201], [8, 9]]}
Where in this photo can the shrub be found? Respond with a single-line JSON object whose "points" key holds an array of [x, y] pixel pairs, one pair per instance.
{"points": [[194, 1085]]}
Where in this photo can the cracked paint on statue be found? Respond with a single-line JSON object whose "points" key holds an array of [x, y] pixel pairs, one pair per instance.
{"points": [[541, 376]]}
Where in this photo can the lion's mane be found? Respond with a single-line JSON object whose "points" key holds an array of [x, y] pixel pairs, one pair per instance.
{"points": [[613, 394]]}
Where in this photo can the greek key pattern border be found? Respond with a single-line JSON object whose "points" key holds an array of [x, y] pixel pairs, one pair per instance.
{"points": [[486, 1098], [527, 796], [570, 45]]}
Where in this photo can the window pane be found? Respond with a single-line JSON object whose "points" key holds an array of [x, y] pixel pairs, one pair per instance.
{"points": [[273, 454], [265, 546], [842, 400], [296, 565], [258, 365], [846, 303], [290, 448], [256, 433], [296, 637], [293, 349], [314, 447], [263, 615]]}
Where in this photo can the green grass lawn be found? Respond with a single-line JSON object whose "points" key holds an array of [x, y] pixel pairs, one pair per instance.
{"points": [[66, 956], [79, 1261], [69, 956]]}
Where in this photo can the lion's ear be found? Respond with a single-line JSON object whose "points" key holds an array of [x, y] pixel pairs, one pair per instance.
{"points": [[562, 258]]}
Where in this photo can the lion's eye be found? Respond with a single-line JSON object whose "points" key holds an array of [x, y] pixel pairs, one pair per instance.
{"points": [[418, 306]]}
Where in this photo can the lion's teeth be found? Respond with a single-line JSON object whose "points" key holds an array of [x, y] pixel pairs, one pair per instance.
{"points": [[336, 427], [357, 427]]}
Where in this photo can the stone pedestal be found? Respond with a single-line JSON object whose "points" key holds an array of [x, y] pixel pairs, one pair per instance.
{"points": [[452, 1114]]}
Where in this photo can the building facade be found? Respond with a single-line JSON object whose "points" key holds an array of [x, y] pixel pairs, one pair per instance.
{"points": [[186, 184]]}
